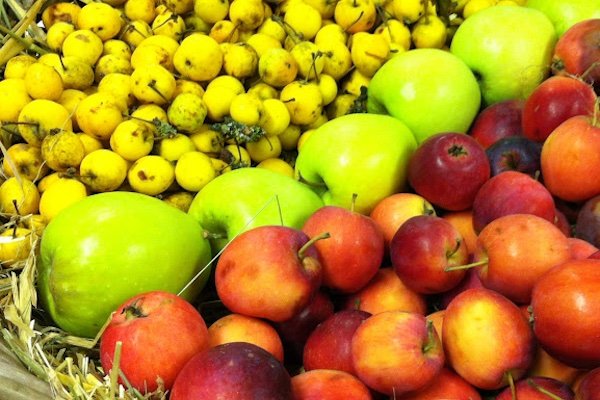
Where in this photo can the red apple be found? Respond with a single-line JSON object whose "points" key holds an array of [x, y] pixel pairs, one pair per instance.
{"points": [[588, 386], [397, 352], [515, 250], [581, 249], [497, 121], [145, 325], [243, 328], [537, 388], [295, 331], [570, 159], [554, 101], [511, 192], [515, 153], [547, 366], [577, 53], [328, 346], [236, 370], [422, 248], [353, 253], [448, 169], [486, 338], [563, 223], [471, 280], [565, 304], [393, 210], [386, 292], [448, 385], [463, 221], [269, 272], [328, 384], [587, 225]]}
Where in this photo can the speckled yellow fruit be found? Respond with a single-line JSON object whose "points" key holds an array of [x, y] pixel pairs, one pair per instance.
{"points": [[277, 165], [59, 196], [103, 170], [19, 196], [194, 170], [15, 245], [151, 175]]}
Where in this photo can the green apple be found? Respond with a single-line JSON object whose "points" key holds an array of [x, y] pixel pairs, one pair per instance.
{"points": [[357, 154], [108, 247], [430, 90], [245, 198], [508, 48], [566, 13]]}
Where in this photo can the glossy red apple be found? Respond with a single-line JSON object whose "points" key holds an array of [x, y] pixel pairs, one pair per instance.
{"points": [[328, 346], [580, 248], [386, 292], [393, 210], [448, 385], [554, 101], [328, 384], [588, 386], [448, 169], [515, 153], [511, 192], [269, 272], [497, 121], [486, 338], [421, 250], [515, 250], [463, 221], [570, 159], [236, 370], [565, 304], [537, 388], [577, 53], [397, 352], [145, 326], [352, 254]]}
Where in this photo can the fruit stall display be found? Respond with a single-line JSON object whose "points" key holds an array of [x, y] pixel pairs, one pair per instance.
{"points": [[300, 199]]}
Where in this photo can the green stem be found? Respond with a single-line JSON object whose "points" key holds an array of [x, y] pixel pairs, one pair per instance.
{"points": [[466, 266], [27, 43], [312, 241]]}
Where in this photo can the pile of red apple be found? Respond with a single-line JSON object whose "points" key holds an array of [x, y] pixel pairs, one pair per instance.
{"points": [[482, 280]]}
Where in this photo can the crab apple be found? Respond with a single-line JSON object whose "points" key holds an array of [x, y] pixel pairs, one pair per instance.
{"points": [[537, 388], [515, 153], [497, 121], [329, 384]]}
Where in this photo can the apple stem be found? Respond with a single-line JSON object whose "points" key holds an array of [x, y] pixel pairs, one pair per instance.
{"points": [[536, 386], [133, 311], [590, 69], [596, 110], [304, 248], [466, 266], [511, 384], [353, 202], [213, 235], [430, 344], [114, 372]]}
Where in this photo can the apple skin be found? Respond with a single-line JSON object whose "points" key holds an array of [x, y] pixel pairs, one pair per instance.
{"points": [[125, 241], [565, 302], [515, 153], [587, 226], [471, 280], [385, 292], [146, 325], [554, 101], [448, 169], [422, 248], [243, 328], [430, 90], [511, 192], [329, 344], [570, 157], [515, 251], [463, 222], [393, 210], [353, 253], [448, 385], [576, 51], [497, 121], [328, 384], [485, 337], [509, 49], [370, 162], [249, 197], [566, 13], [589, 385], [261, 273], [236, 370], [397, 352], [581, 249], [537, 388]]}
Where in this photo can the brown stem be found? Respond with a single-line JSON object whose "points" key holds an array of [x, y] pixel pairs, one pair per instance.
{"points": [[312, 241]]}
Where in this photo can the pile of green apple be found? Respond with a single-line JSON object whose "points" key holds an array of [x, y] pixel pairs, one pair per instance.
{"points": [[110, 247]]}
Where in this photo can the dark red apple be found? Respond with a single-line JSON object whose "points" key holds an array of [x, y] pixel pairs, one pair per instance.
{"points": [[328, 346], [537, 388], [448, 169], [565, 304], [588, 386], [554, 101], [587, 226], [497, 121], [580, 248], [470, 280], [421, 250], [269, 272], [511, 192], [328, 384], [236, 370], [145, 325], [353, 253], [515, 153], [448, 385], [577, 52]]}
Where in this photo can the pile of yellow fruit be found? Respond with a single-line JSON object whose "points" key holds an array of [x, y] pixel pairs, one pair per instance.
{"points": [[162, 98]]}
